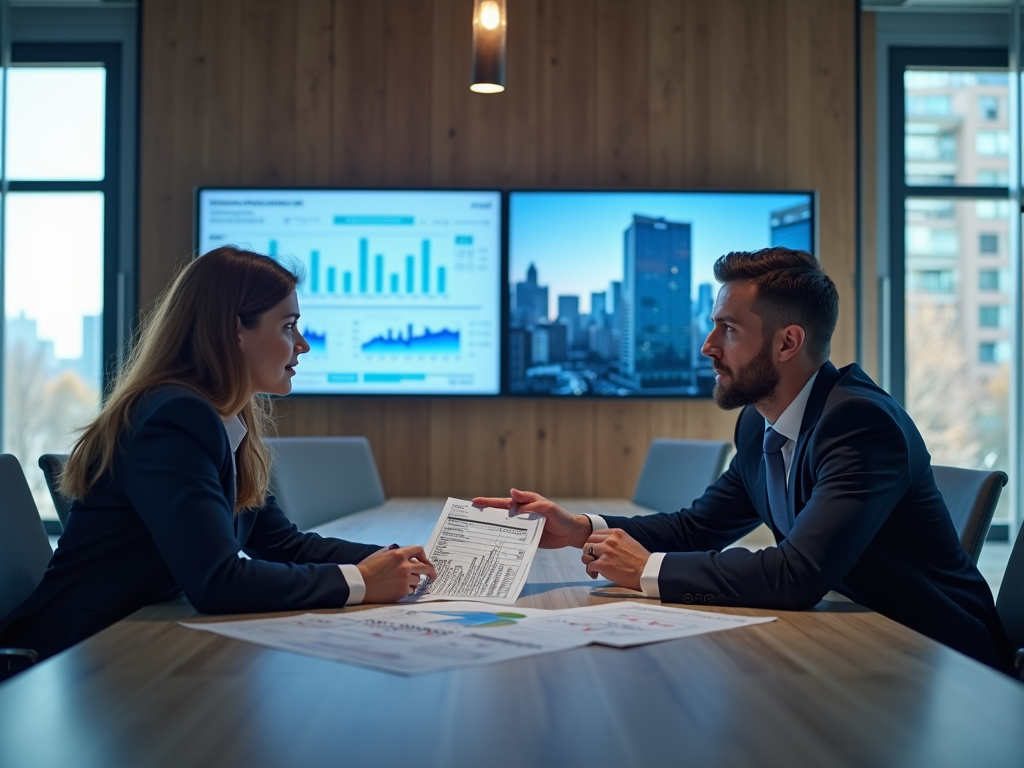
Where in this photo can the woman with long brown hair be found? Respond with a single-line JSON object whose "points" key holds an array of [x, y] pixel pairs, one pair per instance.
{"points": [[170, 480]]}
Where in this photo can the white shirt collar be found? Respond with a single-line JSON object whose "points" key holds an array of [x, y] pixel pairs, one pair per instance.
{"points": [[789, 422], [235, 430]]}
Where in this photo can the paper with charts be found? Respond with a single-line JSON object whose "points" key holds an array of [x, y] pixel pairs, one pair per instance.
{"points": [[416, 639], [480, 554]]}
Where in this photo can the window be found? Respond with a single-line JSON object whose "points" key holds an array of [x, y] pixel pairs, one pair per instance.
{"points": [[990, 317], [933, 281], [994, 177], [988, 279], [949, 216], [988, 108], [993, 209], [928, 241], [988, 243], [60, 243], [992, 143], [993, 352], [929, 105], [931, 147]]}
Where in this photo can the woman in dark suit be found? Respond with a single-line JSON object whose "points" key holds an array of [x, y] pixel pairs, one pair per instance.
{"points": [[170, 480]]}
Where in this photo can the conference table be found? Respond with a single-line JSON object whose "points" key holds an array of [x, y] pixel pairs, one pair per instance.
{"points": [[834, 686]]}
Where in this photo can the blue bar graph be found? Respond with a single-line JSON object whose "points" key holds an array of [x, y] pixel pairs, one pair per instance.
{"points": [[364, 263], [273, 248], [426, 266], [383, 275]]}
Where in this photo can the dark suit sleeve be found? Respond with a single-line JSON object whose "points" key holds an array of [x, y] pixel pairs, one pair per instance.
{"points": [[276, 538], [718, 518], [723, 514], [172, 466], [859, 459]]}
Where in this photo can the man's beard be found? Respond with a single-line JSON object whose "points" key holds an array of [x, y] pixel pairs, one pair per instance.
{"points": [[750, 384]]}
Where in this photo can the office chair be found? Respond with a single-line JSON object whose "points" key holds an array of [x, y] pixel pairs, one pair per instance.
{"points": [[971, 496], [1010, 603], [318, 479], [676, 472], [52, 465], [24, 554]]}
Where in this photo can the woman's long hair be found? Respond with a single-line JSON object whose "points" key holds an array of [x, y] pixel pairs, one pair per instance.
{"points": [[191, 338]]}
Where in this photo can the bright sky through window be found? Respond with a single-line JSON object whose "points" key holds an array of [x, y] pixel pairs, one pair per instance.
{"points": [[55, 123]]}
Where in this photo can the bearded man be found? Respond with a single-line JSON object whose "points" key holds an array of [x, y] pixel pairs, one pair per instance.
{"points": [[824, 457]]}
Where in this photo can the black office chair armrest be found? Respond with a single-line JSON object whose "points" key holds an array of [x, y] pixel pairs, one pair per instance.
{"points": [[15, 660]]}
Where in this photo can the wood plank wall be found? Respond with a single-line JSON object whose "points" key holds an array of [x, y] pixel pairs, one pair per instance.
{"points": [[612, 93]]}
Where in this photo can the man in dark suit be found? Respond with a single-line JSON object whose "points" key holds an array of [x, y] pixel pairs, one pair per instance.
{"points": [[824, 457]]}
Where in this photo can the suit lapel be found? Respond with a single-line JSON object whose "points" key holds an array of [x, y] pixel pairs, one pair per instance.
{"points": [[828, 375]]}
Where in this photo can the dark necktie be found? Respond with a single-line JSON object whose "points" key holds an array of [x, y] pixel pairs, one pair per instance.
{"points": [[776, 474]]}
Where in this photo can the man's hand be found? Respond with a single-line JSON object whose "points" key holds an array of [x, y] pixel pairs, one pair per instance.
{"points": [[617, 556], [561, 529], [391, 574]]}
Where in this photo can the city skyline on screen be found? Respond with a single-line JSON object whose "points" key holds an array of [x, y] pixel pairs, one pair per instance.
{"points": [[611, 293], [566, 233]]}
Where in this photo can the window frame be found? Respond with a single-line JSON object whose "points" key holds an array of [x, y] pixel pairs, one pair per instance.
{"points": [[901, 58], [107, 55]]}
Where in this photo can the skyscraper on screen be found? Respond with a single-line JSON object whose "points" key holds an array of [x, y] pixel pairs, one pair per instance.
{"points": [[656, 312]]}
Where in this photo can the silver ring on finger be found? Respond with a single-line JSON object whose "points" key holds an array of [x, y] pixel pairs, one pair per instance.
{"points": [[591, 551]]}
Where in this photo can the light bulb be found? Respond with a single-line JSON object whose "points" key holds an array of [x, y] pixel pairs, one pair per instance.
{"points": [[490, 15]]}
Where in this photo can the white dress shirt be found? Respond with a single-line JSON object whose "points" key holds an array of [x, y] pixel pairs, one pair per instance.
{"points": [[788, 424], [236, 430]]}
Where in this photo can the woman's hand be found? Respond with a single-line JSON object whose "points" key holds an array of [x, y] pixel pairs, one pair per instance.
{"points": [[392, 574], [562, 529]]}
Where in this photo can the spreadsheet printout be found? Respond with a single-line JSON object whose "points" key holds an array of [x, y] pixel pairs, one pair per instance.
{"points": [[480, 553]]}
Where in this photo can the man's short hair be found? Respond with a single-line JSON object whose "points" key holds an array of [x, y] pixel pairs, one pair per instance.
{"points": [[792, 289]]}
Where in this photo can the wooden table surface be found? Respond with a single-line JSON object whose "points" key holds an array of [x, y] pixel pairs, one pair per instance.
{"points": [[835, 686]]}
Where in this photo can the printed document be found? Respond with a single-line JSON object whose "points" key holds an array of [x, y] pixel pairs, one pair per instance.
{"points": [[480, 554], [406, 639], [416, 639], [624, 624]]}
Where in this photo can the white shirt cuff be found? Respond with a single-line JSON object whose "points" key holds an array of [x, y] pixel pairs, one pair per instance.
{"points": [[649, 578], [356, 585], [597, 523]]}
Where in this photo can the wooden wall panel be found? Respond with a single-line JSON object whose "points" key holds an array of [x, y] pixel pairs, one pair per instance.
{"points": [[619, 93], [357, 94]]}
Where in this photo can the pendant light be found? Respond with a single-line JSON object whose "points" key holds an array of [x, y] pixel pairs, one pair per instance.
{"points": [[488, 46]]}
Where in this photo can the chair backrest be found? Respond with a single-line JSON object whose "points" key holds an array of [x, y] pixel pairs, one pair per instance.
{"points": [[24, 548], [678, 471], [971, 496], [1010, 602], [318, 479], [52, 465]]}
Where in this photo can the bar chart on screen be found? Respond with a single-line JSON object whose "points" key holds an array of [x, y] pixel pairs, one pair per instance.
{"points": [[401, 291]]}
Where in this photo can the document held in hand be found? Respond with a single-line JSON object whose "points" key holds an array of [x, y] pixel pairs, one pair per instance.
{"points": [[480, 553]]}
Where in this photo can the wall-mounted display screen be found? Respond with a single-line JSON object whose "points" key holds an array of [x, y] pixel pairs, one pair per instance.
{"points": [[402, 289], [610, 292]]}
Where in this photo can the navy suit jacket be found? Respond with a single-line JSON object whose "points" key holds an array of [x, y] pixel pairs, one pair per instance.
{"points": [[870, 523], [161, 521]]}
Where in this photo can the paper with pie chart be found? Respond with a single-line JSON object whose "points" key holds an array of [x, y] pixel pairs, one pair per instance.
{"points": [[417, 639], [405, 639]]}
